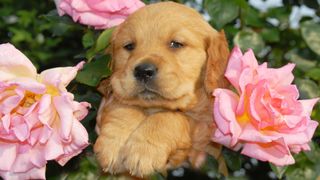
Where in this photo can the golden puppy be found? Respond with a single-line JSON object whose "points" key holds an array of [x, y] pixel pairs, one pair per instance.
{"points": [[166, 62]]}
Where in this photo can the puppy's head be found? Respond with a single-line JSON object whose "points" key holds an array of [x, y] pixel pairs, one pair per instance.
{"points": [[163, 54]]}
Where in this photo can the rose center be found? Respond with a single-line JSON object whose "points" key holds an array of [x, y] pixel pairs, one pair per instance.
{"points": [[30, 98], [244, 118]]}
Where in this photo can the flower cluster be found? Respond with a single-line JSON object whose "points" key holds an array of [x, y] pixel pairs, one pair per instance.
{"points": [[39, 119], [264, 117]]}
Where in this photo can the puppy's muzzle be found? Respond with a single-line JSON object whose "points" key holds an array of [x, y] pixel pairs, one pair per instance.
{"points": [[145, 72]]}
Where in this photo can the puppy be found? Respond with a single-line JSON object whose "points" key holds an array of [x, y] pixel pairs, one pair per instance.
{"points": [[157, 109]]}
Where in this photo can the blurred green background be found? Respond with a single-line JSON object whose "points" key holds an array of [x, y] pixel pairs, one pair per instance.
{"points": [[279, 32]]}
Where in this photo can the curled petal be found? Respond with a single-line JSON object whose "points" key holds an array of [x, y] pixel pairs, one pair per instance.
{"points": [[253, 135], [275, 152], [307, 105], [224, 116], [45, 112], [292, 120], [64, 108], [22, 162], [249, 60], [234, 68], [8, 154], [222, 138], [79, 141], [63, 7], [61, 75], [37, 156], [6, 122], [280, 77], [53, 147], [29, 84], [14, 64], [113, 5], [80, 109], [7, 105], [297, 137], [21, 131], [34, 173]]}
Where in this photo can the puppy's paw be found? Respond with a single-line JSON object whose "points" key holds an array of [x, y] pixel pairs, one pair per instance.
{"points": [[142, 158], [107, 154]]}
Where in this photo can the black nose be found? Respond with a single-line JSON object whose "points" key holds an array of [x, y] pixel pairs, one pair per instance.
{"points": [[144, 72]]}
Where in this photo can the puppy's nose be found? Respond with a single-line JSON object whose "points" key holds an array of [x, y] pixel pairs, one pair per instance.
{"points": [[144, 72]]}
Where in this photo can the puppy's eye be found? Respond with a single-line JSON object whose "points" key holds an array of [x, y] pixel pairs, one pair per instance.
{"points": [[129, 46], [175, 45]]}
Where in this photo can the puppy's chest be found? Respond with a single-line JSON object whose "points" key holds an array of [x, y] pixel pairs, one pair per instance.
{"points": [[200, 115], [151, 111]]}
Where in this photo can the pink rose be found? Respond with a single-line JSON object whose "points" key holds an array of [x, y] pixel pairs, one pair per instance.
{"points": [[264, 117], [100, 14], [39, 119]]}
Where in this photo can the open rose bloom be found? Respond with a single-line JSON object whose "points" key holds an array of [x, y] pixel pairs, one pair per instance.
{"points": [[264, 117], [100, 14], [39, 119]]}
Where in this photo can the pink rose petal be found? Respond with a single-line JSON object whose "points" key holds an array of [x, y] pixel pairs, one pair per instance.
{"points": [[275, 152], [97, 13], [8, 152], [60, 76], [65, 112], [14, 64]]}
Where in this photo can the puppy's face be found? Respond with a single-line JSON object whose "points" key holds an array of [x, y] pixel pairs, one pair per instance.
{"points": [[160, 56]]}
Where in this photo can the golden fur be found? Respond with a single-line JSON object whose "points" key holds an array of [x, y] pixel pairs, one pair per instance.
{"points": [[142, 133]]}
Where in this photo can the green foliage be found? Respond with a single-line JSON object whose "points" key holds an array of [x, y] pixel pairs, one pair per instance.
{"points": [[50, 40], [311, 34], [279, 170], [222, 12], [249, 39], [232, 158], [93, 72], [307, 166]]}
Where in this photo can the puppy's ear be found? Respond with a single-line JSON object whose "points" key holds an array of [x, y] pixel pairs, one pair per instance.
{"points": [[104, 86], [217, 57]]}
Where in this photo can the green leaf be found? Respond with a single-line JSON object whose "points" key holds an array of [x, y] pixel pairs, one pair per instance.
{"points": [[307, 88], [101, 44], [222, 11], [314, 154], [211, 167], [103, 40], [311, 34], [20, 35], [249, 39], [270, 34], [252, 17], [94, 71], [156, 176], [88, 169], [301, 63], [26, 17], [278, 170], [88, 39], [233, 159], [90, 53], [280, 13], [314, 73], [300, 173]]}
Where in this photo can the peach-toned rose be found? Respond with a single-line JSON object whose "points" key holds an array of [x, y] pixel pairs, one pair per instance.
{"points": [[39, 119], [100, 14], [264, 117]]}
